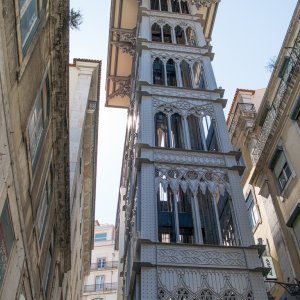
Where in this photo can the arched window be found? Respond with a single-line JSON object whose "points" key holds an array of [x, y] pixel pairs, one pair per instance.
{"points": [[158, 72], [190, 36], [164, 5], [199, 76], [179, 32], [171, 73], [155, 4], [194, 133], [184, 201], [209, 134], [161, 130], [227, 221], [167, 34], [175, 6], [186, 74], [209, 223], [176, 132], [184, 7], [159, 5], [156, 33]]}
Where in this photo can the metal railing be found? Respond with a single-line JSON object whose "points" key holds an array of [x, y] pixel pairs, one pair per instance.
{"points": [[101, 288], [246, 110], [287, 80], [104, 265]]}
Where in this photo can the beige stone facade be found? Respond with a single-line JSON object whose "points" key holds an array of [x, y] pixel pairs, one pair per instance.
{"points": [[83, 126], [102, 281], [264, 126], [34, 185]]}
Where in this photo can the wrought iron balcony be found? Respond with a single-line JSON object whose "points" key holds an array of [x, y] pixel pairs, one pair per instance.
{"points": [[101, 288], [288, 76], [104, 265], [243, 110]]}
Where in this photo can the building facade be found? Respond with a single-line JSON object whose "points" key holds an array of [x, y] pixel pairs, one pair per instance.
{"points": [[264, 126], [84, 92], [35, 252], [182, 228], [102, 281]]}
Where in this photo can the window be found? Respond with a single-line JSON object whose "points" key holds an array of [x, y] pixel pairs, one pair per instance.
{"points": [[159, 5], [156, 33], [158, 72], [209, 134], [99, 237], [39, 121], [252, 210], [176, 132], [167, 34], [99, 282], [180, 35], [7, 238], [199, 78], [195, 133], [190, 36], [209, 223], [280, 168], [171, 73], [186, 74], [101, 263], [296, 229], [30, 12], [296, 112], [227, 222], [43, 211], [175, 6], [48, 266], [184, 7], [161, 130]]}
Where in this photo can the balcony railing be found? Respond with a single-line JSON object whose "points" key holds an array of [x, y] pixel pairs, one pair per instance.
{"points": [[288, 77], [104, 265], [244, 110], [101, 288]]}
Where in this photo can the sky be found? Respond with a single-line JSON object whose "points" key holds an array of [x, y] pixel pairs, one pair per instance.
{"points": [[246, 36]]}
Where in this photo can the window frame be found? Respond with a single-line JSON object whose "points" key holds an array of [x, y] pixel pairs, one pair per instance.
{"points": [[41, 7], [43, 116], [5, 258], [101, 239], [252, 211], [45, 205], [282, 173]]}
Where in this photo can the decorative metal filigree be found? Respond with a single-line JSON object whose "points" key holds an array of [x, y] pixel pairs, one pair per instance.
{"points": [[203, 3], [276, 110]]}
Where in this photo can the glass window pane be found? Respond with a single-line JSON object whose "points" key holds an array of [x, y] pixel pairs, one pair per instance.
{"points": [[28, 19]]}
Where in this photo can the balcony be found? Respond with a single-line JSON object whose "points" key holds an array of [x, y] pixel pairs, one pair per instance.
{"points": [[102, 288], [104, 265]]}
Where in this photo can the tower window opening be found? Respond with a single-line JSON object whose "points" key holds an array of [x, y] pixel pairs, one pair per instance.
{"points": [[155, 5], [190, 36], [164, 5], [158, 72], [210, 134], [177, 137], [175, 6], [171, 73], [199, 76], [227, 221], [167, 34], [194, 133], [186, 74], [161, 130], [180, 38], [156, 33], [208, 219], [184, 7]]}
